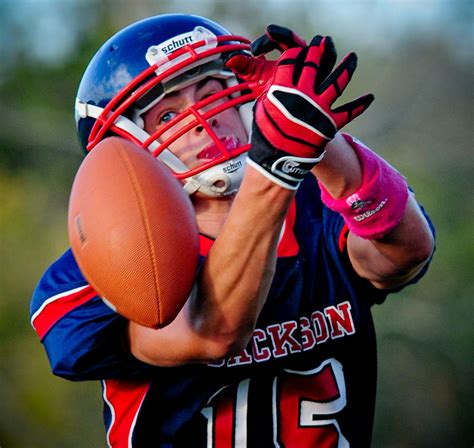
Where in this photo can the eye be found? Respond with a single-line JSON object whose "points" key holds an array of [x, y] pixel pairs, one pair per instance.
{"points": [[165, 117], [211, 88]]}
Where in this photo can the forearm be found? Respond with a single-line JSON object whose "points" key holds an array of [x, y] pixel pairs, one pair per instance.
{"points": [[220, 315], [396, 256], [238, 271]]}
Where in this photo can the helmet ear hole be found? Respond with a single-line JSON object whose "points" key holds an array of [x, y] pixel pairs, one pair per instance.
{"points": [[220, 180], [219, 184]]}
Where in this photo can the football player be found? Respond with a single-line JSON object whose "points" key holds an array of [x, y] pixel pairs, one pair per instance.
{"points": [[302, 230]]}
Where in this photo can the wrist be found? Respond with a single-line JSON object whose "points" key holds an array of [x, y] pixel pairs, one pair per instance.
{"points": [[340, 172], [379, 203], [258, 183], [284, 169]]}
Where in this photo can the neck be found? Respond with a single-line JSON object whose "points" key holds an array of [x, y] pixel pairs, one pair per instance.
{"points": [[211, 213]]}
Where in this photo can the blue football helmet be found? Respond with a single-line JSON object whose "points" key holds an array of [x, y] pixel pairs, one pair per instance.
{"points": [[149, 59]]}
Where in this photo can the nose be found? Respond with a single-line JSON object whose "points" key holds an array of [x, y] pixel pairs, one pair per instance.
{"points": [[212, 122]]}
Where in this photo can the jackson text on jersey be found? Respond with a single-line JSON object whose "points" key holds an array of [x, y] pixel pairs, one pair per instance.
{"points": [[289, 337]]}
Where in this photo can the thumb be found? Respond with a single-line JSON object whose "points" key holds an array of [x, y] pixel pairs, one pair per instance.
{"points": [[241, 64]]}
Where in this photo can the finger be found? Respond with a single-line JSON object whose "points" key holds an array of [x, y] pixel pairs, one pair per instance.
{"points": [[323, 57], [310, 68], [287, 65], [333, 86], [349, 111], [299, 65], [276, 38], [262, 45], [240, 63], [319, 62], [328, 59], [284, 37]]}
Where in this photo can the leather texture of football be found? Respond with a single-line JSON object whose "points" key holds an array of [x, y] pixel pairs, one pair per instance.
{"points": [[133, 232]]}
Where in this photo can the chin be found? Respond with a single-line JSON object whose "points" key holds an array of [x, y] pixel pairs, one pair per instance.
{"points": [[204, 197]]}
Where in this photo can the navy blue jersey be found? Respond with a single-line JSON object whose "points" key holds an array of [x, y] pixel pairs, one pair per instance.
{"points": [[307, 378]]}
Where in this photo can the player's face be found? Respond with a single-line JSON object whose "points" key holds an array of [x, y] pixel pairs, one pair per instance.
{"points": [[196, 146]]}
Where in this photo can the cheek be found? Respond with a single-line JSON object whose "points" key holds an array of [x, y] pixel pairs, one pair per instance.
{"points": [[240, 130], [232, 119], [169, 133], [179, 147]]}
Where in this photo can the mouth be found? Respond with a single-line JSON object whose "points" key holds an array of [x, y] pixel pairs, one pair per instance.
{"points": [[213, 151]]}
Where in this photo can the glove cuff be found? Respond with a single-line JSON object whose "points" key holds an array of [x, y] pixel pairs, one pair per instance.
{"points": [[280, 167], [378, 205]]}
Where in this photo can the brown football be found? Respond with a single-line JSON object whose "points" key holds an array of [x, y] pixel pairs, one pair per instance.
{"points": [[133, 232]]}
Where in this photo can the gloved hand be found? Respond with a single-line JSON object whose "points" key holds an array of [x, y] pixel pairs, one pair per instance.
{"points": [[293, 118], [256, 69]]}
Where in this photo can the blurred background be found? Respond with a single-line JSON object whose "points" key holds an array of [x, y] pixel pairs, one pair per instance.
{"points": [[415, 56]]}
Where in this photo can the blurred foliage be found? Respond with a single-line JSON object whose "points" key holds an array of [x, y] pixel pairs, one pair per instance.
{"points": [[421, 122]]}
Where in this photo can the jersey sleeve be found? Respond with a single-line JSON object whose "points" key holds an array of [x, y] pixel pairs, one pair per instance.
{"points": [[82, 336], [424, 270]]}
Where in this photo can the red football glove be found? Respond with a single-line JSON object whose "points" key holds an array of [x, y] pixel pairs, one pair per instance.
{"points": [[293, 118], [257, 71]]}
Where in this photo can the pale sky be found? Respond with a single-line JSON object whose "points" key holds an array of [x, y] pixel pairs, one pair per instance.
{"points": [[50, 32]]}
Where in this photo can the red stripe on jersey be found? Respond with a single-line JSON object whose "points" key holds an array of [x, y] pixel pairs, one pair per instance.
{"points": [[124, 399], [224, 422], [205, 244], [287, 246], [343, 237], [56, 307]]}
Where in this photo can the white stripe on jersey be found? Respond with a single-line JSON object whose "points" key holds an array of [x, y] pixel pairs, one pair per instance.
{"points": [[53, 299]]}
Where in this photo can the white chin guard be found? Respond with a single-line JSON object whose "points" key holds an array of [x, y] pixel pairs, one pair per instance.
{"points": [[220, 180]]}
